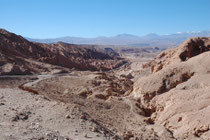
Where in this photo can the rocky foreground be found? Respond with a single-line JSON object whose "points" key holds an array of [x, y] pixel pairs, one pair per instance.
{"points": [[166, 98]]}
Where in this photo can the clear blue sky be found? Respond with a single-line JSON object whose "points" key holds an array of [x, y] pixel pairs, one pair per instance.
{"points": [[91, 18]]}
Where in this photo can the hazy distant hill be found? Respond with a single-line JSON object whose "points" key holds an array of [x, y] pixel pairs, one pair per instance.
{"points": [[150, 40]]}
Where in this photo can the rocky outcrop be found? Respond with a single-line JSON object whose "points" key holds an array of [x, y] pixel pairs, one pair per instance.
{"points": [[169, 69], [10, 69], [185, 51], [176, 93], [81, 57]]}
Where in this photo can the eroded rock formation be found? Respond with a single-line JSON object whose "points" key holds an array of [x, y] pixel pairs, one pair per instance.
{"points": [[19, 56], [188, 49], [177, 92]]}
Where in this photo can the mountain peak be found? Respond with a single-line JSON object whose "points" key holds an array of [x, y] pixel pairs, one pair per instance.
{"points": [[152, 35], [126, 35], [3, 31]]}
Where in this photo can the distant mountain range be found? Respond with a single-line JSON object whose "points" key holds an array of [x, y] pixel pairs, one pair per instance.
{"points": [[150, 40]]}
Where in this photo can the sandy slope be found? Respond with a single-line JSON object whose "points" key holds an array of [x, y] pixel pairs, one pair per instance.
{"points": [[27, 116]]}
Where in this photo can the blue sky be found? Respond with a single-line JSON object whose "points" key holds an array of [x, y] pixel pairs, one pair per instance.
{"points": [[91, 18]]}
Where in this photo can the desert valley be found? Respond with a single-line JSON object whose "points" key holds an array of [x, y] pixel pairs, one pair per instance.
{"points": [[61, 91]]}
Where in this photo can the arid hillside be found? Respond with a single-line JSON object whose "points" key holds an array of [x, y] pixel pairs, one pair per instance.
{"points": [[176, 94], [19, 56]]}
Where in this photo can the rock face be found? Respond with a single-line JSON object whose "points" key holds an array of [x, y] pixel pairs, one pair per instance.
{"points": [[177, 92], [16, 55], [185, 51]]}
